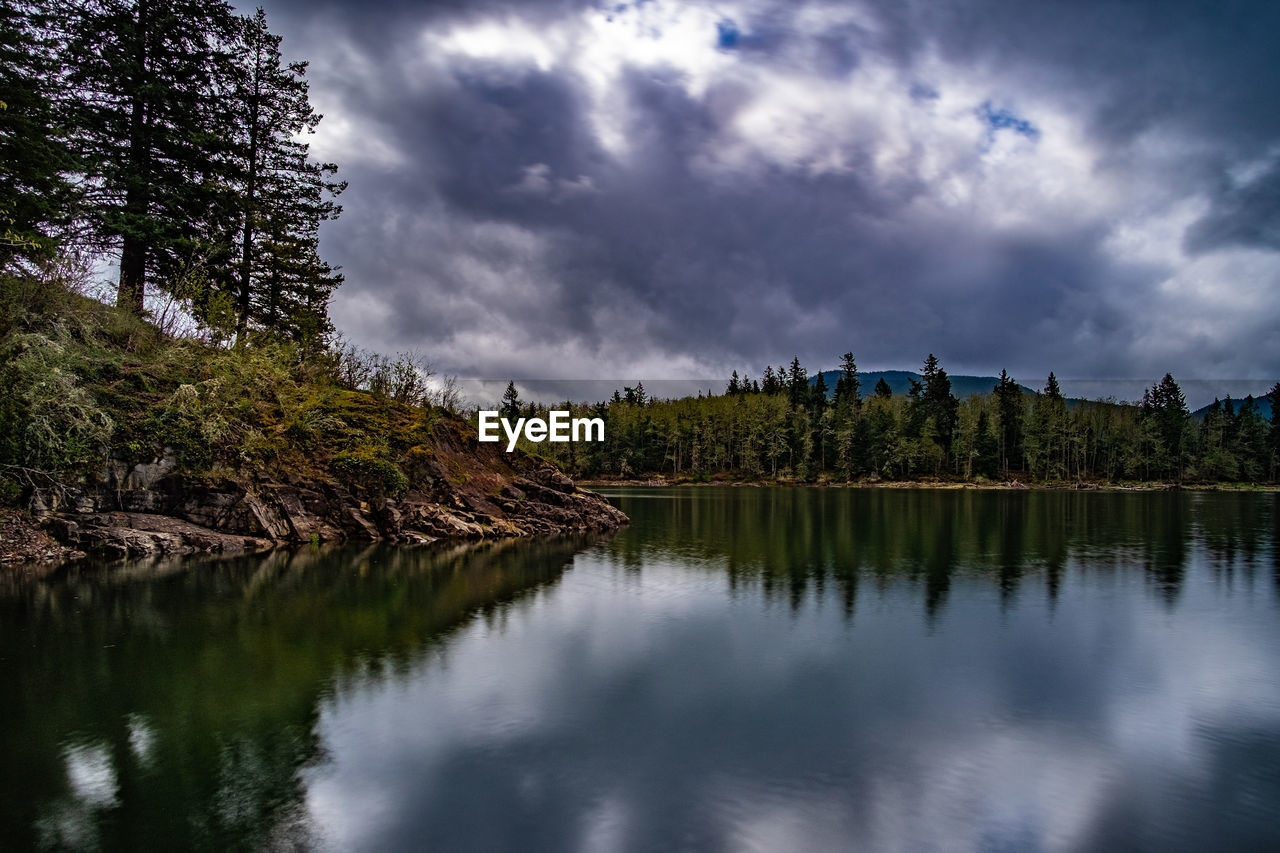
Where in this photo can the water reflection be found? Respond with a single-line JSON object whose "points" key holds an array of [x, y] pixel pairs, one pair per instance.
{"points": [[788, 541], [741, 669], [171, 705], [658, 713]]}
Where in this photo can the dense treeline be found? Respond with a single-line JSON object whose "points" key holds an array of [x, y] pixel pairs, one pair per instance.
{"points": [[785, 426], [167, 134]]}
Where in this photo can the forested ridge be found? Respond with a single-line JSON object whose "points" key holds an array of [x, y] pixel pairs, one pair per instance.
{"points": [[787, 426]]}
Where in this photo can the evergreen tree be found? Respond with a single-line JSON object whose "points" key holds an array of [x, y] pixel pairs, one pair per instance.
{"points": [[1230, 423], [35, 158], [883, 391], [1171, 414], [510, 408], [635, 396], [1251, 442], [1216, 459], [1051, 389], [797, 384], [1274, 433], [734, 387], [848, 385], [939, 403], [1010, 412], [769, 382], [986, 447], [818, 395], [916, 412], [849, 427], [279, 196], [146, 74], [883, 432], [1045, 439]]}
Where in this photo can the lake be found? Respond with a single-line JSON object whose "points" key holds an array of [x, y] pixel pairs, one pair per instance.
{"points": [[757, 669]]}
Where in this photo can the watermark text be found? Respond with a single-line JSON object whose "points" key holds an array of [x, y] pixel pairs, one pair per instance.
{"points": [[556, 427]]}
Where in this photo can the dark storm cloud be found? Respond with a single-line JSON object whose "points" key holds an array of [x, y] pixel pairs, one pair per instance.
{"points": [[1242, 215], [491, 223], [1207, 68]]}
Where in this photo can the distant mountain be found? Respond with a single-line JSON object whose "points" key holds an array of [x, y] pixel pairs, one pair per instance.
{"points": [[900, 382], [1263, 404]]}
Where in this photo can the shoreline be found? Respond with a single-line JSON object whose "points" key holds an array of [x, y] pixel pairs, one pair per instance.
{"points": [[185, 515], [946, 485]]}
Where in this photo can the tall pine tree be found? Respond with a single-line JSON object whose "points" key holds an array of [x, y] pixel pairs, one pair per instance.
{"points": [[145, 75], [939, 403], [510, 408], [1273, 434], [1165, 409], [848, 385], [279, 195], [797, 379], [769, 383], [35, 159], [1009, 408], [1046, 438]]}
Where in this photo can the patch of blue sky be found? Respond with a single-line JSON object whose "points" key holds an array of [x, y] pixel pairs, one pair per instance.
{"points": [[727, 34], [998, 119]]}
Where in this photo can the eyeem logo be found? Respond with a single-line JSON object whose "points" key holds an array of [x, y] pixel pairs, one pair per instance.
{"points": [[557, 426]]}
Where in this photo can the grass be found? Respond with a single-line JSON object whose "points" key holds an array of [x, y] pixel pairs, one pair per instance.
{"points": [[86, 383]]}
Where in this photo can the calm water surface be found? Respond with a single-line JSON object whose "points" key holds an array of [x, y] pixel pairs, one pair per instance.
{"points": [[741, 669]]}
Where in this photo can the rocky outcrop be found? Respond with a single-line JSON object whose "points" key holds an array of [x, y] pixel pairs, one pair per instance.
{"points": [[178, 514], [127, 534], [458, 488]]}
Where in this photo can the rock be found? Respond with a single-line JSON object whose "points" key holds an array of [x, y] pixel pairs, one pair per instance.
{"points": [[124, 534], [23, 542], [143, 475], [552, 478], [461, 494]]}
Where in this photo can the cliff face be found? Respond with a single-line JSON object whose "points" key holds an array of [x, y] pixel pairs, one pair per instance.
{"points": [[458, 489]]}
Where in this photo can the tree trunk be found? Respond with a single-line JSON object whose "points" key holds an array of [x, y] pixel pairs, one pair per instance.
{"points": [[133, 276], [133, 252], [251, 193]]}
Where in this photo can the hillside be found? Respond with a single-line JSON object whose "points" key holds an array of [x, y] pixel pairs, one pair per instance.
{"points": [[1261, 401], [122, 440]]}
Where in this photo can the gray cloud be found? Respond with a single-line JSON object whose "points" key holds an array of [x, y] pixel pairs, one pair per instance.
{"points": [[556, 189]]}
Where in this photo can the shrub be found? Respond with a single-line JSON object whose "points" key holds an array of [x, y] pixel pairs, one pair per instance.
{"points": [[47, 420], [371, 473]]}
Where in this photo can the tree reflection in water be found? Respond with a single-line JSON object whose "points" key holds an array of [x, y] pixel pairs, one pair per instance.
{"points": [[789, 540], [171, 703], [180, 704]]}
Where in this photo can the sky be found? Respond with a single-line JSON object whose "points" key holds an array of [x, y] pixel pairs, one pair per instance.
{"points": [[566, 190]]}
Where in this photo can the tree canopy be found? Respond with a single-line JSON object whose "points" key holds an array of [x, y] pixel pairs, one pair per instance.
{"points": [[169, 135]]}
